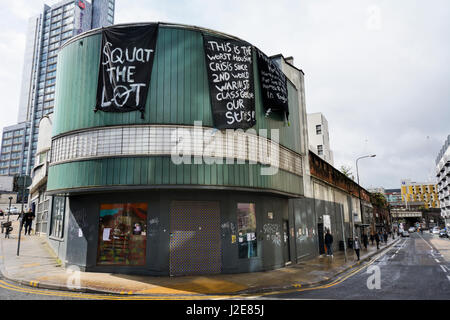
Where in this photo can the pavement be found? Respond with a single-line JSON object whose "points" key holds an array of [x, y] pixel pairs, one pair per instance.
{"points": [[38, 266]]}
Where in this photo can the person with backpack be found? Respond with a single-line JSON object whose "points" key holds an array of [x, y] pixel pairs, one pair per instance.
{"points": [[377, 239], [28, 221], [365, 240], [356, 246], [329, 243]]}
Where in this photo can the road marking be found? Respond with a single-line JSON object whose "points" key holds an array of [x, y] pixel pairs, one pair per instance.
{"points": [[442, 267], [9, 286], [401, 246], [448, 277], [426, 243], [331, 284], [34, 283], [436, 260]]}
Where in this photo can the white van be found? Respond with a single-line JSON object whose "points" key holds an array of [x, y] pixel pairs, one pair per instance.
{"points": [[436, 230]]}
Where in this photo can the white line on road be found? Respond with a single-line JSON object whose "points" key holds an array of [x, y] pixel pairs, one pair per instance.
{"points": [[436, 260], [426, 243], [442, 267], [448, 277], [401, 247]]}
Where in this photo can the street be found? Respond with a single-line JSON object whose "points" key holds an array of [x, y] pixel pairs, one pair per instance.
{"points": [[412, 269]]}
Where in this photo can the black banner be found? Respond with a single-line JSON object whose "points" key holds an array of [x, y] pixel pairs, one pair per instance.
{"points": [[273, 85], [230, 74], [125, 68]]}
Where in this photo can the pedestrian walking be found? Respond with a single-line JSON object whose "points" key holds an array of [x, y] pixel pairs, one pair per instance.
{"points": [[377, 239], [357, 246], [365, 240], [385, 237], [28, 221], [329, 243], [372, 237]]}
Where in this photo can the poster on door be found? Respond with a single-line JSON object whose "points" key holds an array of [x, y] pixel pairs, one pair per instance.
{"points": [[326, 222]]}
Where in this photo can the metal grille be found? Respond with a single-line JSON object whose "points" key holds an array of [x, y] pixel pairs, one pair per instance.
{"points": [[165, 140], [195, 246]]}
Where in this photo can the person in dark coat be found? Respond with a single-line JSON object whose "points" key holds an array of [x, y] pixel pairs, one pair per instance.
{"points": [[372, 237], [329, 243], [28, 221], [385, 237], [365, 240], [377, 239], [357, 246]]}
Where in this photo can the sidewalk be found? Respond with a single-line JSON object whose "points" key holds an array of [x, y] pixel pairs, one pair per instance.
{"points": [[38, 267]]}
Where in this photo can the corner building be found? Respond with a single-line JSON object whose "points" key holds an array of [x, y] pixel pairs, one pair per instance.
{"points": [[119, 202]]}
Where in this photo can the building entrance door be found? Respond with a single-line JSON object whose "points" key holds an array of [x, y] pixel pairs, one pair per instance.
{"points": [[321, 238], [286, 244], [195, 246]]}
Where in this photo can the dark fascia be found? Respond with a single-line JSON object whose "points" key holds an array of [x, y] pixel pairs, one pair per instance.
{"points": [[123, 188]]}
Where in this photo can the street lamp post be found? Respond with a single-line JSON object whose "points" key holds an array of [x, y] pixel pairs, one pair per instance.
{"points": [[9, 210], [359, 188]]}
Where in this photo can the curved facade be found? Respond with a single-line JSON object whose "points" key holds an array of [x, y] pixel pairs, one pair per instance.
{"points": [[110, 169]]}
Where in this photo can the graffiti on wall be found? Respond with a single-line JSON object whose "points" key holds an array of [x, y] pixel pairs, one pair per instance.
{"points": [[272, 232]]}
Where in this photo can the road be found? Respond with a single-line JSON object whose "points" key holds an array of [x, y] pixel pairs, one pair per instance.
{"points": [[417, 267]]}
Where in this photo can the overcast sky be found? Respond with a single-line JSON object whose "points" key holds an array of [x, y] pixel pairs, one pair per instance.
{"points": [[378, 70]]}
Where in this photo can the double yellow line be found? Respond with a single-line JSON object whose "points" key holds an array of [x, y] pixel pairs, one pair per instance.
{"points": [[9, 286], [328, 285]]}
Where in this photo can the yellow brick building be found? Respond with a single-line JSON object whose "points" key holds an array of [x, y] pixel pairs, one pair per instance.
{"points": [[420, 194]]}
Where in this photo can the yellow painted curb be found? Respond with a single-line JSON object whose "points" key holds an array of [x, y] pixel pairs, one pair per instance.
{"points": [[31, 265], [34, 283]]}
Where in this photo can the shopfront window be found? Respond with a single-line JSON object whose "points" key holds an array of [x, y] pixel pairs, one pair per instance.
{"points": [[57, 221], [246, 221], [122, 234]]}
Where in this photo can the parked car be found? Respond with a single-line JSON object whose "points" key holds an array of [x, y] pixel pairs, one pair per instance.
{"points": [[14, 210], [405, 234], [436, 230], [411, 229], [443, 234]]}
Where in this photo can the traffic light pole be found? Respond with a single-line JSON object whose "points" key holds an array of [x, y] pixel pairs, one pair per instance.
{"points": [[22, 215]]}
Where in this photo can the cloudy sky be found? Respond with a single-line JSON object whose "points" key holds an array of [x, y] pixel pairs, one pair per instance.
{"points": [[378, 70]]}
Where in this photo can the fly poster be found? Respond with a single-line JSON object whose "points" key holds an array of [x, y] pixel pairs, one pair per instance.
{"points": [[229, 65], [126, 63], [273, 85]]}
